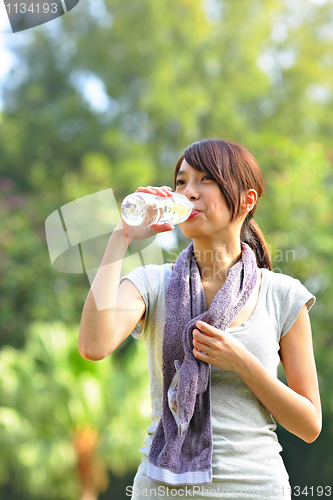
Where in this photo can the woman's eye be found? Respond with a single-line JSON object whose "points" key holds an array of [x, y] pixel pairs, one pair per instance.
{"points": [[180, 182]]}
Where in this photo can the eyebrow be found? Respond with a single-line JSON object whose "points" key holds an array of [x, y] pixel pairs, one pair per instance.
{"points": [[184, 172], [181, 172]]}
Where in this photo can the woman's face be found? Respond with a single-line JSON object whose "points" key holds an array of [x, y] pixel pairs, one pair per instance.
{"points": [[213, 214]]}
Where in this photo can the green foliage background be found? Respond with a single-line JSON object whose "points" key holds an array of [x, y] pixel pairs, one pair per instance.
{"points": [[162, 76]]}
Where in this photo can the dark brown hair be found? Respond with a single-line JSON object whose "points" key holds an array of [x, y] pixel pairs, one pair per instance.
{"points": [[235, 170]]}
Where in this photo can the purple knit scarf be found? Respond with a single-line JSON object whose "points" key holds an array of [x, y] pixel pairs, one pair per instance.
{"points": [[181, 451]]}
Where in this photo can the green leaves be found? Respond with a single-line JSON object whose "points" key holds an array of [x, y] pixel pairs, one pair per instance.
{"points": [[53, 404], [258, 72]]}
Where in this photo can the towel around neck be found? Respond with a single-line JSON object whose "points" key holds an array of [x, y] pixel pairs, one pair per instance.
{"points": [[181, 451]]}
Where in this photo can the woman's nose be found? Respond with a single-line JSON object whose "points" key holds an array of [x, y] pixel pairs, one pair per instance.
{"points": [[191, 191]]}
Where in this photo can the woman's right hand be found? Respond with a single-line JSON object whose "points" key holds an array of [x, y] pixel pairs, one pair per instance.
{"points": [[142, 232]]}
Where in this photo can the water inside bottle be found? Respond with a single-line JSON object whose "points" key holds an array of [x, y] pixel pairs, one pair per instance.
{"points": [[133, 210], [174, 211], [138, 212]]}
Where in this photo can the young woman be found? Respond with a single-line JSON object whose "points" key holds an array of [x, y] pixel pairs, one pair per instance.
{"points": [[216, 325]]}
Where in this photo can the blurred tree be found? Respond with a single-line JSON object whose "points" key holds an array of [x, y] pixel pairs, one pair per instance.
{"points": [[108, 96], [112, 95], [65, 421], [298, 219]]}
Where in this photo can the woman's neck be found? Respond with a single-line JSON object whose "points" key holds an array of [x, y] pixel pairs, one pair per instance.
{"points": [[215, 260]]}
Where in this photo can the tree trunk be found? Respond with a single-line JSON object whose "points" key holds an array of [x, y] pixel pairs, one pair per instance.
{"points": [[89, 495], [91, 470]]}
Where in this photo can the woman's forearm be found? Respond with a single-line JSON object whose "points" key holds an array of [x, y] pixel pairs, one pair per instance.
{"points": [[299, 414], [293, 411], [98, 319]]}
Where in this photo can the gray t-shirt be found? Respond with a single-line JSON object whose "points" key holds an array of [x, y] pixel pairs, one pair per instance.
{"points": [[246, 452]]}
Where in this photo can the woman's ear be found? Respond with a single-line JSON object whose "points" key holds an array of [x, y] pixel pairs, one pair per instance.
{"points": [[249, 200]]}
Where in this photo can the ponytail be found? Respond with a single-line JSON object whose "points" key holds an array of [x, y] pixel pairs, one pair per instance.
{"points": [[252, 235]]}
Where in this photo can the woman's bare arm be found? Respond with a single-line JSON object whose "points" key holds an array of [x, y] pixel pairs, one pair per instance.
{"points": [[110, 315], [296, 406]]}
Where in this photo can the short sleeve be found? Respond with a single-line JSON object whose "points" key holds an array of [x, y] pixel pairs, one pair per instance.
{"points": [[296, 297]]}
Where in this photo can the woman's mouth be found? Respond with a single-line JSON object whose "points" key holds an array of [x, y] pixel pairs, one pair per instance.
{"points": [[195, 212]]}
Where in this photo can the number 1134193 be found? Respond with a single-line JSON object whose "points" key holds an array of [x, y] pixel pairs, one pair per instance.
{"points": [[42, 8]]}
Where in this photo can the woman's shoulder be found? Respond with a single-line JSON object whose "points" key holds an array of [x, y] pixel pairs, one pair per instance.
{"points": [[151, 281], [279, 280], [156, 269], [150, 275], [285, 288]]}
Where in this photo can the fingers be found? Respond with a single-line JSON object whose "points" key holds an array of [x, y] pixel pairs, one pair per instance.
{"points": [[200, 339], [203, 344], [211, 331], [159, 191], [200, 349], [201, 355], [161, 228], [207, 330]]}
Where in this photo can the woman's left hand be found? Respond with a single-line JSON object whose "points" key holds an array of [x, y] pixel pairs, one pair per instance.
{"points": [[219, 348]]}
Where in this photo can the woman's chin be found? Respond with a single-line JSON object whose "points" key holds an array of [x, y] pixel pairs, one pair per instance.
{"points": [[189, 231]]}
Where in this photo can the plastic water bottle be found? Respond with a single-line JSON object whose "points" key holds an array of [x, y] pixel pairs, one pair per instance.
{"points": [[144, 209]]}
